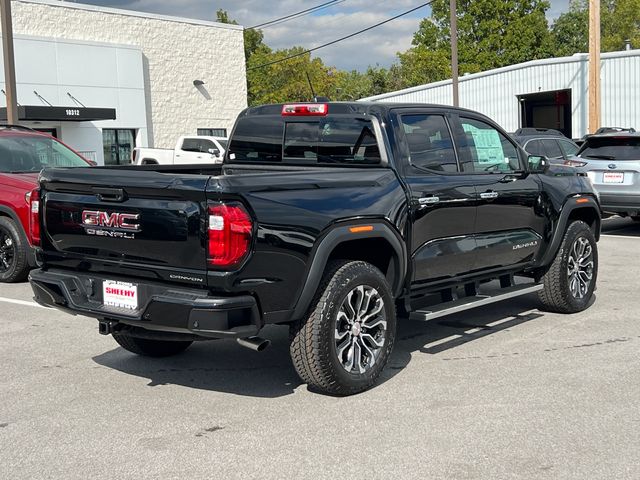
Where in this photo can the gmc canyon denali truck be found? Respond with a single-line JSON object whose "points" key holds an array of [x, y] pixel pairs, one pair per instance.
{"points": [[332, 218]]}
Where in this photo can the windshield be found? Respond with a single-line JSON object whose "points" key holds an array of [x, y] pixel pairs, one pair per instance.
{"points": [[31, 153], [223, 143], [612, 148]]}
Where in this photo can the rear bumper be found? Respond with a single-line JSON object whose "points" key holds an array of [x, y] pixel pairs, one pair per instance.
{"points": [[626, 204], [161, 307]]}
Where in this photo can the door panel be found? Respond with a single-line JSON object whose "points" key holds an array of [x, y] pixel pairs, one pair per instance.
{"points": [[508, 229], [443, 200], [442, 238]]}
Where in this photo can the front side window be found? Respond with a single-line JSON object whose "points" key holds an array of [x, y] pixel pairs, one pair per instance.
{"points": [[429, 142], [31, 153], [486, 150], [535, 147]]}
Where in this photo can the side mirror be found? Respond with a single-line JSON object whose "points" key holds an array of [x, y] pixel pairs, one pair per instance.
{"points": [[538, 163], [214, 151]]}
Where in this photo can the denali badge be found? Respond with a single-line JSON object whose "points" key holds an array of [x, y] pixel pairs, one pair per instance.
{"points": [[104, 224]]}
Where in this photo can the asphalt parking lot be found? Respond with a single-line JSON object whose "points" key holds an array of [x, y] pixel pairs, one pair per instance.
{"points": [[499, 392]]}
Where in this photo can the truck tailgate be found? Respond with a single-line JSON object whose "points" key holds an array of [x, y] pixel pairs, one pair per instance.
{"points": [[106, 218]]}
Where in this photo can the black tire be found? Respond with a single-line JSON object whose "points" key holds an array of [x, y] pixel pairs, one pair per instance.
{"points": [[14, 250], [314, 349], [559, 293], [150, 348], [635, 218]]}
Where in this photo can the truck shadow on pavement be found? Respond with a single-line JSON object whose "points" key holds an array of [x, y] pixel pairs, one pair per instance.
{"points": [[224, 366]]}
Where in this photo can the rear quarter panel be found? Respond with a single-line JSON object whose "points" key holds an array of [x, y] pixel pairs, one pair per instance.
{"points": [[293, 211]]}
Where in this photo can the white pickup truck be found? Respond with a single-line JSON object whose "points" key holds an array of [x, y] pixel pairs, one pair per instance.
{"points": [[196, 149]]}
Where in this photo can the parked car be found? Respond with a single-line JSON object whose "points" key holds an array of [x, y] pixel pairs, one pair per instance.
{"points": [[612, 162], [606, 130], [546, 142], [23, 153], [194, 150], [328, 218]]}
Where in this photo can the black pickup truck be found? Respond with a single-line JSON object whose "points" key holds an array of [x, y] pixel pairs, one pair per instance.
{"points": [[334, 219]]}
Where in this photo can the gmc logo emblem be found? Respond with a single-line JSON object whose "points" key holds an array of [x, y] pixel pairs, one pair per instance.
{"points": [[123, 221]]}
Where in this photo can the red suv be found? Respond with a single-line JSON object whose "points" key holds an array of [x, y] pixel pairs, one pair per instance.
{"points": [[23, 153]]}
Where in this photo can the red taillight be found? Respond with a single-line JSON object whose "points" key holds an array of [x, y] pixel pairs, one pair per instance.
{"points": [[304, 109], [229, 234], [574, 163], [34, 217]]}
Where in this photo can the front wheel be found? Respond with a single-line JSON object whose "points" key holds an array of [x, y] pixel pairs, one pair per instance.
{"points": [[150, 348], [570, 281], [346, 339]]}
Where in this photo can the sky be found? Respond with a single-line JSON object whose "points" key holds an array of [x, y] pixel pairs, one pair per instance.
{"points": [[376, 47]]}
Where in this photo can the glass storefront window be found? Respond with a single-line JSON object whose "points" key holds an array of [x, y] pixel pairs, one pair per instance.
{"points": [[118, 145]]}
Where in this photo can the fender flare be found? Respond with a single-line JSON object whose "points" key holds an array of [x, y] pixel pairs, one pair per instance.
{"points": [[8, 212], [341, 234], [570, 206]]}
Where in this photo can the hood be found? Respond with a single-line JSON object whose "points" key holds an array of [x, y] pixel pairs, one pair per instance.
{"points": [[28, 181]]}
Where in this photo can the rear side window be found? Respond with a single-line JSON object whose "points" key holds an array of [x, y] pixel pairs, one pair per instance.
{"points": [[429, 143], [191, 145], [569, 148], [612, 148], [326, 140], [552, 148]]}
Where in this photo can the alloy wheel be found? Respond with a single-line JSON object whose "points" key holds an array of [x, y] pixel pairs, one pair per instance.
{"points": [[7, 251], [580, 267], [361, 329]]}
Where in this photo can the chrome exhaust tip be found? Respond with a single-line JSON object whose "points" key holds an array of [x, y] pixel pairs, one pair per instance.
{"points": [[254, 343]]}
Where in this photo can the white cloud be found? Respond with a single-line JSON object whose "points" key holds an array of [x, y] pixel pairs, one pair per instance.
{"points": [[378, 46]]}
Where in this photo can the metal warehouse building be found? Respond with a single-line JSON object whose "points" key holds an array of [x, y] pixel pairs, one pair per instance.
{"points": [[550, 93], [104, 80]]}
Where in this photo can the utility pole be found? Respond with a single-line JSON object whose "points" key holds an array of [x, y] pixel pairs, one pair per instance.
{"points": [[9, 62], [594, 65], [454, 52]]}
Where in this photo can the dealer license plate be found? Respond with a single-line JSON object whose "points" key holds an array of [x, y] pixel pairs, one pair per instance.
{"points": [[613, 177], [120, 294]]}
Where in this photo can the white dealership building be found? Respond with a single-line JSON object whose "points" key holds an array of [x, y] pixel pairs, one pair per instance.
{"points": [[549, 93], [105, 80]]}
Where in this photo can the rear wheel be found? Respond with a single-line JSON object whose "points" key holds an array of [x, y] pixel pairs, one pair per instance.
{"points": [[150, 348], [346, 339], [570, 281], [14, 249], [636, 218]]}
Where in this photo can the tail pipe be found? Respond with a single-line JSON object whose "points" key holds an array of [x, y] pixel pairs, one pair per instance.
{"points": [[254, 343]]}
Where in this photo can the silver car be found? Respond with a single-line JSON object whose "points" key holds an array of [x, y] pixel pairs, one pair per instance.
{"points": [[612, 162]]}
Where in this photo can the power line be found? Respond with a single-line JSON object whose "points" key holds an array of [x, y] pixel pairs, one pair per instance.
{"points": [[300, 13], [342, 38]]}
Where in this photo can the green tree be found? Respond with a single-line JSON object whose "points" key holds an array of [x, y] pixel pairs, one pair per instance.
{"points": [[491, 34], [570, 31], [619, 21]]}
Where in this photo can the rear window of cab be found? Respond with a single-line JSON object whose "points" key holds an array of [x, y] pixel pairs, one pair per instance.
{"points": [[326, 140]]}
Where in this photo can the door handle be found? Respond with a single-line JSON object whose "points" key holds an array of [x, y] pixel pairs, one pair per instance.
{"points": [[427, 201], [489, 195]]}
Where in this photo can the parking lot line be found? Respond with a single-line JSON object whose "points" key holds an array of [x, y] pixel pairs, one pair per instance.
{"points": [[20, 302], [619, 236]]}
